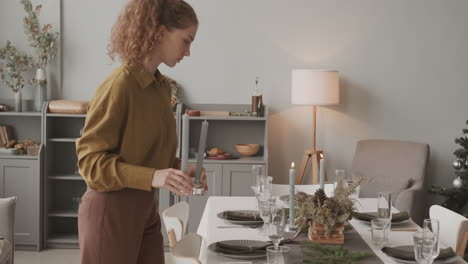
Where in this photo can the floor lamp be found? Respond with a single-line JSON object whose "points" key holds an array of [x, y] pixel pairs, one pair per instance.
{"points": [[313, 87]]}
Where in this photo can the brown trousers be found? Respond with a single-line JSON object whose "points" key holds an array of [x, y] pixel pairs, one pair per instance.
{"points": [[121, 227]]}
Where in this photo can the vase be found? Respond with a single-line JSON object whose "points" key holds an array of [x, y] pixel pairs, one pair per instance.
{"points": [[41, 90], [18, 101], [317, 233]]}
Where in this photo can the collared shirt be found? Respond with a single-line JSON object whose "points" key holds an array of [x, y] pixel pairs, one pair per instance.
{"points": [[129, 131]]}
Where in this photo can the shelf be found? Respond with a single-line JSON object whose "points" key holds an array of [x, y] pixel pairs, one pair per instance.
{"points": [[70, 177], [22, 157], [243, 160], [71, 140], [63, 238], [229, 118], [38, 114], [68, 213], [65, 115]]}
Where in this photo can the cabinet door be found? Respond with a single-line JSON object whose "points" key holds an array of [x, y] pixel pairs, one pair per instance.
{"points": [[237, 180], [21, 178], [197, 203]]}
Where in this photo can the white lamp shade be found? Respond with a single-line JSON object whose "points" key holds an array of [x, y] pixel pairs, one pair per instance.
{"points": [[315, 87]]}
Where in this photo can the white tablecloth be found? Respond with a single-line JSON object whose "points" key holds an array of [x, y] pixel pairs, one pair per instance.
{"points": [[209, 224]]}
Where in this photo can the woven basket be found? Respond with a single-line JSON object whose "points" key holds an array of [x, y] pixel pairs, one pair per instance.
{"points": [[68, 107], [32, 150]]}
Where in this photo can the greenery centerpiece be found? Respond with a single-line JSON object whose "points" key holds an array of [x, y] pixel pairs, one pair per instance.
{"points": [[326, 215], [13, 65], [43, 41]]}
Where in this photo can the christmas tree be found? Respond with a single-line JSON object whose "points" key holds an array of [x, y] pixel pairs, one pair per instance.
{"points": [[457, 196]]}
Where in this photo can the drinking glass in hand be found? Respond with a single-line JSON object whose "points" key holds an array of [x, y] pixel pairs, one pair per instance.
{"points": [[431, 232]]}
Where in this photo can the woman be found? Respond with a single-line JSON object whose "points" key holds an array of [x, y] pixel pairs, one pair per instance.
{"points": [[127, 150]]}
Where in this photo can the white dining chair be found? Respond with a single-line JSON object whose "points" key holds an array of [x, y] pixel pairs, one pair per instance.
{"points": [[453, 228], [278, 190], [175, 220], [187, 250], [7, 227]]}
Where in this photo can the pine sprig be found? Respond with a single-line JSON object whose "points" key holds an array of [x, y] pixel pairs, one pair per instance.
{"points": [[320, 254]]}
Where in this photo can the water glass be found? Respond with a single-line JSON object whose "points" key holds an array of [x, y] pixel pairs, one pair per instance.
{"points": [[431, 232], [378, 229], [424, 247], [384, 211], [277, 255]]}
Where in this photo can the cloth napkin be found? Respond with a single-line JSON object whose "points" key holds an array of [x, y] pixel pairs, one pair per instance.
{"points": [[238, 216], [402, 254], [240, 250], [397, 217]]}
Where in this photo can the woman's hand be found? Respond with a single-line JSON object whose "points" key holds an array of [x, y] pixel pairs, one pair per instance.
{"points": [[203, 180], [173, 180]]}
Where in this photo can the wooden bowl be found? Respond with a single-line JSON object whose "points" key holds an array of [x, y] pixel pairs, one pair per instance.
{"points": [[247, 149]]}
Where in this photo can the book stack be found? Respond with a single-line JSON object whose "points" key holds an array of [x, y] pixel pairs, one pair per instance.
{"points": [[6, 136]]}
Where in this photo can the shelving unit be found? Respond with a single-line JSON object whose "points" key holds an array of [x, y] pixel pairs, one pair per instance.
{"points": [[62, 182], [21, 176]]}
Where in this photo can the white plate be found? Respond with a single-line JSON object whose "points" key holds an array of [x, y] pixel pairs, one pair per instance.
{"points": [[410, 248], [240, 222], [253, 243], [393, 223]]}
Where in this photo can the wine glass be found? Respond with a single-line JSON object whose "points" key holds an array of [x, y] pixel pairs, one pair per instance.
{"points": [[431, 237], [264, 209], [384, 212], [277, 227]]}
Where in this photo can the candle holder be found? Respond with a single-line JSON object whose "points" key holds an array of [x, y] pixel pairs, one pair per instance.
{"points": [[198, 189]]}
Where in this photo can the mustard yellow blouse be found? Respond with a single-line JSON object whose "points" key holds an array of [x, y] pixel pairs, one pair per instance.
{"points": [[129, 131]]}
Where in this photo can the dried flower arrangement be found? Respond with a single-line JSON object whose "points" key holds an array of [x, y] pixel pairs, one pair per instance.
{"points": [[40, 38], [327, 211]]}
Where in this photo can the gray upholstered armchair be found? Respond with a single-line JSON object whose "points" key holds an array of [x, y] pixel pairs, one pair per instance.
{"points": [[393, 166], [7, 220]]}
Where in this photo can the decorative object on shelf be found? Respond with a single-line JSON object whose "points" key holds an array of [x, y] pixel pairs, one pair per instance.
{"points": [[457, 197], [242, 114], [248, 150], [12, 69], [4, 108], [27, 147], [43, 41], [326, 215], [193, 112], [41, 91], [316, 253], [6, 136], [313, 87], [257, 107], [68, 107]]}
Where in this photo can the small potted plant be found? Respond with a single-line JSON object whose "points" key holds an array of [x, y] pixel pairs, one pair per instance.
{"points": [[13, 65], [43, 41], [327, 215]]}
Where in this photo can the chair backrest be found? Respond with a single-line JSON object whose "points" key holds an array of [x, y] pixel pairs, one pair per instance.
{"points": [[452, 226], [7, 221], [278, 190], [389, 165], [175, 220], [187, 250]]}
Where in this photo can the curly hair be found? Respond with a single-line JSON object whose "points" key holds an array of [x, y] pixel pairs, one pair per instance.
{"points": [[135, 34]]}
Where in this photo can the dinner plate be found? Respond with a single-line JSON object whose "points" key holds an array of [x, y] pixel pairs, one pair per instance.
{"points": [[240, 222], [247, 243], [411, 248], [393, 223]]}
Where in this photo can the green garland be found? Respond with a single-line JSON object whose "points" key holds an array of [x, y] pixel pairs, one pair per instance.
{"points": [[320, 254]]}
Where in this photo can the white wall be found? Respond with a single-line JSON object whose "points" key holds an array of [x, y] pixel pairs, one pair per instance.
{"points": [[403, 68]]}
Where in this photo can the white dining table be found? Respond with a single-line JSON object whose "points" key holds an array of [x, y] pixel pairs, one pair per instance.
{"points": [[210, 228]]}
